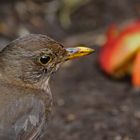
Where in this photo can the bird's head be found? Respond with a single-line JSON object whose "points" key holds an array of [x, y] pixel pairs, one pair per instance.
{"points": [[30, 60]]}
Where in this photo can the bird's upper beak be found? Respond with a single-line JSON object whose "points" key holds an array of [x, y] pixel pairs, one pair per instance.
{"points": [[78, 52]]}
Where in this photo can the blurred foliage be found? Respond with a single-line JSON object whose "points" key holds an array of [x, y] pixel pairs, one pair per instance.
{"points": [[59, 18], [67, 7], [22, 17]]}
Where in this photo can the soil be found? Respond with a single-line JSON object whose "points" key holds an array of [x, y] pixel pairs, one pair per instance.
{"points": [[91, 106], [88, 104]]}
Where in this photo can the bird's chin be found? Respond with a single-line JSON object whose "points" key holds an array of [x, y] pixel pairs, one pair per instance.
{"points": [[45, 84], [55, 68]]}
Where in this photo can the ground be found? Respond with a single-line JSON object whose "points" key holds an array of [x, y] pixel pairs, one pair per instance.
{"points": [[90, 106]]}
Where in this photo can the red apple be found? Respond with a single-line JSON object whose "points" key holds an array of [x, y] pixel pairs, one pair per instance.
{"points": [[120, 53]]}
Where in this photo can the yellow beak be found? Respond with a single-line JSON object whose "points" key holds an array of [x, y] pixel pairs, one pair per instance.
{"points": [[78, 52]]}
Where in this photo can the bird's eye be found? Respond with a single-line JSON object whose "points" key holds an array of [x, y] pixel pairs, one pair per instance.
{"points": [[44, 59]]}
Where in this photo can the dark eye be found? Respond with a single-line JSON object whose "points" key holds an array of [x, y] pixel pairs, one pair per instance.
{"points": [[44, 59]]}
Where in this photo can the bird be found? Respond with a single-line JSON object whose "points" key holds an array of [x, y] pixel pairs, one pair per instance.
{"points": [[26, 65]]}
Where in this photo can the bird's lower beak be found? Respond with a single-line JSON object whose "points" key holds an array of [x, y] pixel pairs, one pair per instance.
{"points": [[78, 52]]}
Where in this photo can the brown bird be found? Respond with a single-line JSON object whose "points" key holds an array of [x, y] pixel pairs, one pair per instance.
{"points": [[26, 65]]}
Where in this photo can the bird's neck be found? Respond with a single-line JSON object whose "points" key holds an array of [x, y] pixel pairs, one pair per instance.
{"points": [[42, 85]]}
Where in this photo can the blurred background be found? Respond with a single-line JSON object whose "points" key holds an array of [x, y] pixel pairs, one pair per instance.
{"points": [[87, 104]]}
